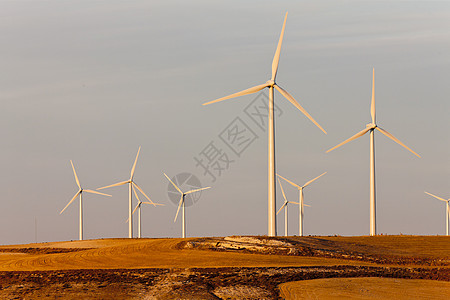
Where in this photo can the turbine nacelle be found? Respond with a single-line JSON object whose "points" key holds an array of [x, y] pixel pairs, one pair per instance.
{"points": [[371, 126], [270, 83]]}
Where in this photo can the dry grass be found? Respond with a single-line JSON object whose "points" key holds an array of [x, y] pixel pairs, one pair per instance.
{"points": [[177, 268], [166, 253], [146, 253], [365, 288], [403, 245]]}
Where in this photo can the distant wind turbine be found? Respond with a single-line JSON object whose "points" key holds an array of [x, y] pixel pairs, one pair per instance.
{"points": [[301, 204], [182, 204], [272, 231], [138, 206], [131, 184], [80, 192], [371, 128], [447, 211], [285, 206]]}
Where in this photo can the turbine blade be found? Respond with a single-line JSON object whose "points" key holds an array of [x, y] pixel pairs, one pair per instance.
{"points": [[140, 190], [134, 165], [173, 183], [296, 104], [361, 133], [282, 206], [306, 205], [395, 140], [95, 192], [153, 203], [135, 193], [75, 173], [296, 185], [306, 184], [74, 197], [241, 93], [442, 199], [372, 105], [115, 184], [276, 58], [197, 190], [178, 210], [282, 190], [134, 210], [294, 202]]}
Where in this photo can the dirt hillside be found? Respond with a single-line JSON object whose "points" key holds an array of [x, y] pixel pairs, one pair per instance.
{"points": [[233, 267]]}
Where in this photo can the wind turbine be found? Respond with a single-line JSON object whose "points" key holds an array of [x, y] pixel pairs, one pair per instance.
{"points": [[301, 204], [138, 206], [447, 212], [272, 231], [182, 204], [80, 192], [371, 128], [285, 205], [131, 184]]}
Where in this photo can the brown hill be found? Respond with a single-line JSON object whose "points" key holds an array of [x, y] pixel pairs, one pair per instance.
{"points": [[211, 268]]}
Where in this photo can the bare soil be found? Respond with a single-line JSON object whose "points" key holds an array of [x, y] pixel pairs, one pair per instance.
{"points": [[366, 288], [210, 268]]}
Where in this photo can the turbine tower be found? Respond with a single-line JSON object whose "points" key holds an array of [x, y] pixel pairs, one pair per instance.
{"points": [[182, 204], [271, 84], [301, 204], [371, 127], [447, 211], [80, 192], [138, 206], [131, 184]]}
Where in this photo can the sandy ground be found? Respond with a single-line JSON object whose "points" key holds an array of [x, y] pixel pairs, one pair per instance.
{"points": [[366, 288]]}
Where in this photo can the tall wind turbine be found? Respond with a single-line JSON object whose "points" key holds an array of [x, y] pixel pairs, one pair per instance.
{"points": [[272, 231], [182, 204], [447, 211], [138, 207], [80, 192], [131, 184], [371, 128], [301, 204]]}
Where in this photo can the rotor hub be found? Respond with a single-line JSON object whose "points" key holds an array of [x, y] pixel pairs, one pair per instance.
{"points": [[271, 82]]}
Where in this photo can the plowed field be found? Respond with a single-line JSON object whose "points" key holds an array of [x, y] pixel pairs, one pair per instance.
{"points": [[227, 268]]}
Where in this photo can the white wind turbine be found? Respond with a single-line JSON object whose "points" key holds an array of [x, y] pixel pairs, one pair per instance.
{"points": [[285, 206], [371, 128], [131, 184], [301, 203], [182, 204], [271, 140], [138, 206], [80, 192], [447, 211]]}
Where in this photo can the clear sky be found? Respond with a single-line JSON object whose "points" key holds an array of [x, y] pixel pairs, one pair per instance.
{"points": [[92, 81]]}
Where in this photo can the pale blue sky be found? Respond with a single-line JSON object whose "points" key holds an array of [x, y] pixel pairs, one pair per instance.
{"points": [[92, 81]]}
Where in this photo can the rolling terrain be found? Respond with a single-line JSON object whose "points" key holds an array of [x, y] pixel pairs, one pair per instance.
{"points": [[219, 268]]}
